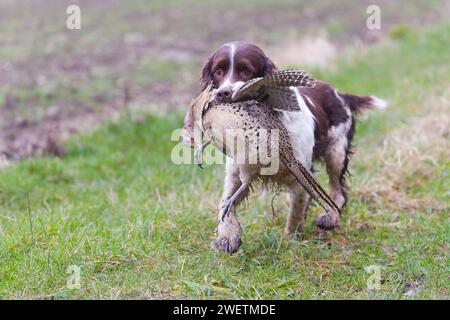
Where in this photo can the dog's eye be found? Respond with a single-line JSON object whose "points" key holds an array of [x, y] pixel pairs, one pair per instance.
{"points": [[218, 72], [245, 74]]}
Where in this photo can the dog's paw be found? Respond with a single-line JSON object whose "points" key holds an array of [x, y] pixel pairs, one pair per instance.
{"points": [[229, 236], [327, 221], [227, 245]]}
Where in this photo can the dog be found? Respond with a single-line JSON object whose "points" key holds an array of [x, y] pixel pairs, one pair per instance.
{"points": [[322, 131]]}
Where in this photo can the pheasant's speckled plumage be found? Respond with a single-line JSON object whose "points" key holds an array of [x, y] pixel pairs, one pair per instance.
{"points": [[249, 117], [253, 117], [274, 89]]}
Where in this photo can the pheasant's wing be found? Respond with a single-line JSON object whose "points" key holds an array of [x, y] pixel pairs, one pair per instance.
{"points": [[250, 90], [289, 78], [274, 89], [281, 98]]}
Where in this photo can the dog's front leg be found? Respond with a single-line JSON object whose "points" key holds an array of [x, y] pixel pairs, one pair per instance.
{"points": [[229, 229]]}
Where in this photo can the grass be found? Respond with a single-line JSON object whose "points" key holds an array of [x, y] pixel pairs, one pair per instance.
{"points": [[139, 226]]}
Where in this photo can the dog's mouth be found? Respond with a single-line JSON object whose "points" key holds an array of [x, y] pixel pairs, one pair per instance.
{"points": [[233, 88]]}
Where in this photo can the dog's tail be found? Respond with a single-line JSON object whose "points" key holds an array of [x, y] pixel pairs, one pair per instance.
{"points": [[359, 104]]}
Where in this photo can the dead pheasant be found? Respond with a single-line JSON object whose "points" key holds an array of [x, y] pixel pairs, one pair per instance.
{"points": [[254, 122]]}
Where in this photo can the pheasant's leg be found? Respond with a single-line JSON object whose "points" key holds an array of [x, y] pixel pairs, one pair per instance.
{"points": [[297, 211], [230, 202], [199, 154], [336, 160], [229, 229]]}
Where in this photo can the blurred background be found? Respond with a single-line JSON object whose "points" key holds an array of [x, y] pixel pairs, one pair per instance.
{"points": [[147, 55]]}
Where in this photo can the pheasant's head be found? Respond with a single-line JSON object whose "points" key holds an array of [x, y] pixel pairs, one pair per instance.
{"points": [[200, 103], [193, 117]]}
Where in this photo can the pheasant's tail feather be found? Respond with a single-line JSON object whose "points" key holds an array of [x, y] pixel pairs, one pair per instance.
{"points": [[311, 185]]}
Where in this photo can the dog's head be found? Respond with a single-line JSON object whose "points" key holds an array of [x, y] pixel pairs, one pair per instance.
{"points": [[228, 68], [233, 64]]}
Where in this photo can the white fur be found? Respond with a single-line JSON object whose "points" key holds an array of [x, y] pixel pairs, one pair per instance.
{"points": [[229, 76], [379, 103], [300, 126], [338, 134], [229, 165], [227, 82], [340, 99], [336, 154], [309, 101], [338, 138]]}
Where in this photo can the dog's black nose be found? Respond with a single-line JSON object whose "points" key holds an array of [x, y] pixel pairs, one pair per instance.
{"points": [[224, 95]]}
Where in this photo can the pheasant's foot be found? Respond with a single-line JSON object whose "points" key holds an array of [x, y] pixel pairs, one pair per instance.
{"points": [[228, 204], [227, 208], [198, 158]]}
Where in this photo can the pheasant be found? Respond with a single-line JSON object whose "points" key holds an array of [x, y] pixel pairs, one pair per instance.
{"points": [[254, 122]]}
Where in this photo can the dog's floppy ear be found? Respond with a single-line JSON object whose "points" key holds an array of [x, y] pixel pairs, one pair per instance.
{"points": [[269, 66], [206, 75]]}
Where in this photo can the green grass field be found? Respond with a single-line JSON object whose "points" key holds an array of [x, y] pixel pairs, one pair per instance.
{"points": [[139, 226]]}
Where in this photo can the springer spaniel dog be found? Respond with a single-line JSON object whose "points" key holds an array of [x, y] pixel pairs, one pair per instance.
{"points": [[322, 131]]}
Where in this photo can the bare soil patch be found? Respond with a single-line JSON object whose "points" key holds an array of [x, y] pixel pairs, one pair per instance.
{"points": [[57, 82]]}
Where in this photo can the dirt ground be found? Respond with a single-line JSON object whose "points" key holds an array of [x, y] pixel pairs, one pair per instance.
{"points": [[147, 55]]}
